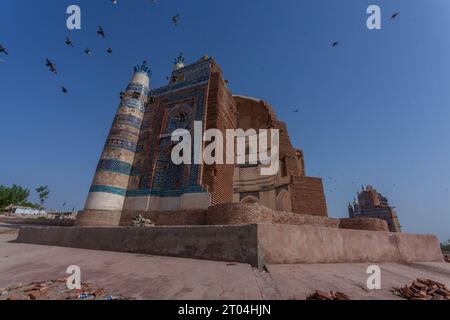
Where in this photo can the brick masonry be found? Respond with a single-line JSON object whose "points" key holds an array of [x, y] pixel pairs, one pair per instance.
{"points": [[308, 196], [231, 214], [239, 214], [364, 224], [221, 115]]}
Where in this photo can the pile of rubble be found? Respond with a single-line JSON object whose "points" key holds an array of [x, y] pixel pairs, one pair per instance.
{"points": [[55, 290], [321, 295], [423, 289], [140, 222]]}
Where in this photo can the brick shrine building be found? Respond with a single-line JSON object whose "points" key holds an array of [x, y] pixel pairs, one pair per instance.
{"points": [[135, 172]]}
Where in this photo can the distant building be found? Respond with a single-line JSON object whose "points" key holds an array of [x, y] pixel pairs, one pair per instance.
{"points": [[26, 211], [371, 204]]}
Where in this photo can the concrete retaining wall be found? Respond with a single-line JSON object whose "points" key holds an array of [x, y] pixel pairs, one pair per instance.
{"points": [[231, 243], [253, 244], [285, 244]]}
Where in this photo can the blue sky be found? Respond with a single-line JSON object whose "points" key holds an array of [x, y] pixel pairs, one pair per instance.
{"points": [[375, 110]]}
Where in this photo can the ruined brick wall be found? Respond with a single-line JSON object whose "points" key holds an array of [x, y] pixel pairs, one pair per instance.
{"points": [[308, 196], [235, 214], [290, 156], [221, 115], [238, 214], [370, 224]]}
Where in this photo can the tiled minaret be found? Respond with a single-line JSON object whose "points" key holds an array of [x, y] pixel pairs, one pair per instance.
{"points": [[109, 187]]}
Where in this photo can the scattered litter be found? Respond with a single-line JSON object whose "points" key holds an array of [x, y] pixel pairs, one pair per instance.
{"points": [[423, 289], [140, 222], [321, 295], [56, 290]]}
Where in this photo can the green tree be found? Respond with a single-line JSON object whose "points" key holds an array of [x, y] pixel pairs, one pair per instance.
{"points": [[43, 193], [445, 246], [15, 195]]}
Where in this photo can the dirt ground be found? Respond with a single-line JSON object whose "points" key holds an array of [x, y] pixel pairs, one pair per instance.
{"points": [[40, 271]]}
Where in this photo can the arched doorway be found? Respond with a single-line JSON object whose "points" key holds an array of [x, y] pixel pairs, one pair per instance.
{"points": [[284, 201], [250, 200]]}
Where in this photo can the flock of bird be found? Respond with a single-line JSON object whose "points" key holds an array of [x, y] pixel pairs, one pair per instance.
{"points": [[336, 43], [3, 50], [52, 66], [100, 31], [175, 20]]}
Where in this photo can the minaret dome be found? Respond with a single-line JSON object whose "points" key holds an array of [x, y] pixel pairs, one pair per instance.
{"points": [[179, 62], [142, 75]]}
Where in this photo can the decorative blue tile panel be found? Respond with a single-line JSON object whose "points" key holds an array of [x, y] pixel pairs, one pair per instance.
{"points": [[140, 149], [140, 193], [121, 144], [128, 120], [109, 189], [135, 87], [122, 132], [178, 86], [135, 171], [194, 74], [165, 194], [109, 165], [133, 103], [165, 179]]}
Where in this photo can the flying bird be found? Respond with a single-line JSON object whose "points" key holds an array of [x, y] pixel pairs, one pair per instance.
{"points": [[114, 1], [88, 51], [3, 50], [69, 42], [109, 50], [64, 90], [395, 15], [335, 44], [101, 32], [296, 111], [51, 66], [175, 19]]}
